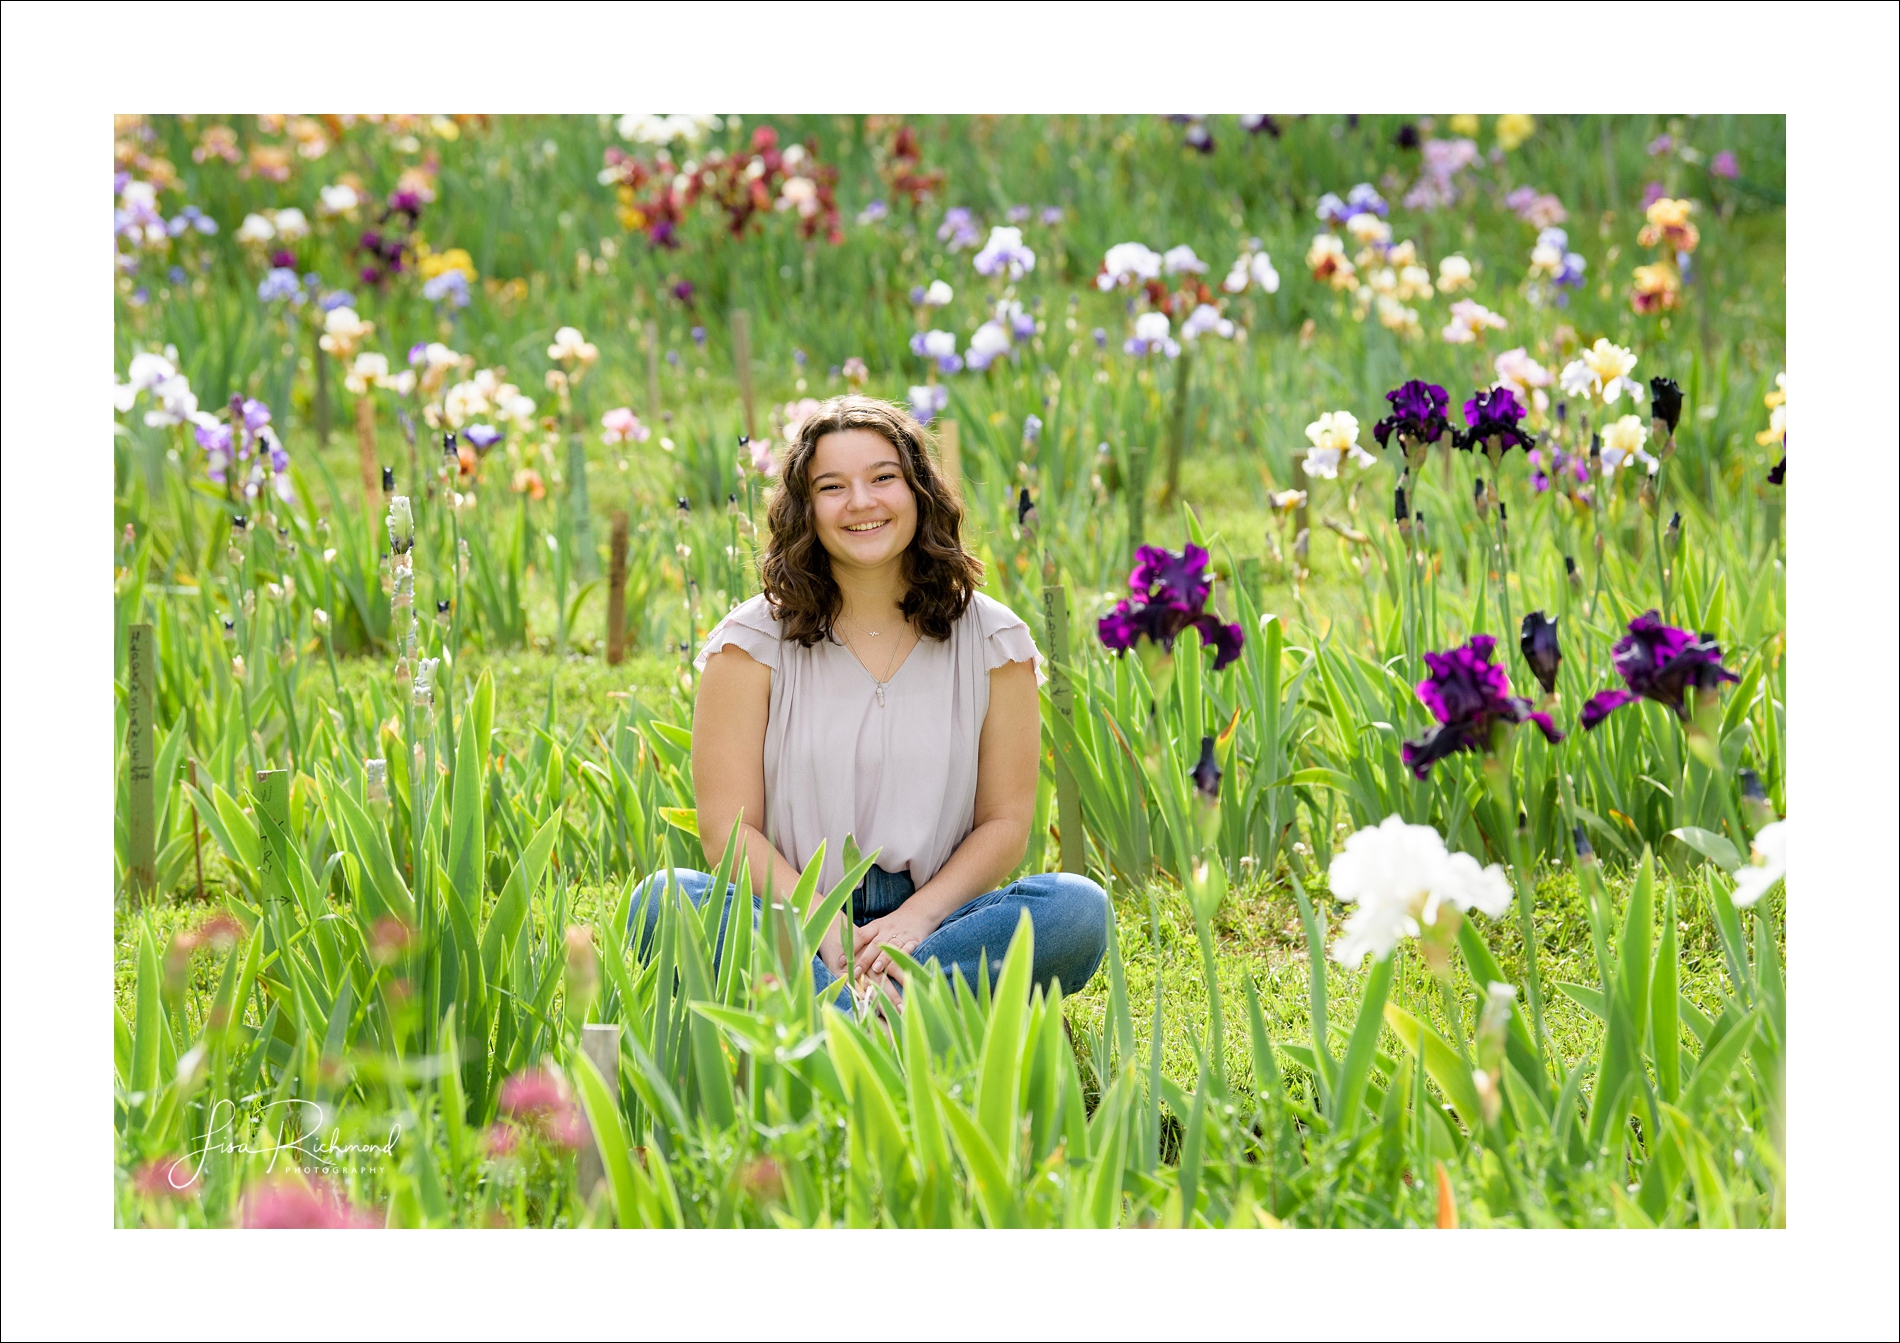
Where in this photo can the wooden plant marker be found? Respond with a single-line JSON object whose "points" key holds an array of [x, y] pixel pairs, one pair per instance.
{"points": [[617, 591], [742, 363], [1055, 609], [601, 1044], [141, 822], [950, 454], [273, 834], [1248, 578], [366, 458]]}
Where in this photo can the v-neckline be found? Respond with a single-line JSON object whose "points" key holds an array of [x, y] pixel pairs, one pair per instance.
{"points": [[880, 688]]}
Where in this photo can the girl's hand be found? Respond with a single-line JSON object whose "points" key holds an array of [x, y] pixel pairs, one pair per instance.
{"points": [[904, 928], [831, 950]]}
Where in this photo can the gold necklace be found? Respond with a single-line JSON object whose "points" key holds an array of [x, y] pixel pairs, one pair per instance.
{"points": [[876, 684]]}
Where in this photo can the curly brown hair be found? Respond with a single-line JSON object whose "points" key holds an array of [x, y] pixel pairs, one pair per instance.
{"points": [[795, 570]]}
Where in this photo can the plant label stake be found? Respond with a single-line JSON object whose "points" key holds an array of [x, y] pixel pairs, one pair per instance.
{"points": [[1055, 607], [950, 454], [617, 591], [273, 833], [141, 822], [742, 362], [601, 1044]]}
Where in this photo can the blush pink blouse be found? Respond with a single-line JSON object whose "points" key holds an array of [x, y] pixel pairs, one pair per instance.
{"points": [[899, 776]]}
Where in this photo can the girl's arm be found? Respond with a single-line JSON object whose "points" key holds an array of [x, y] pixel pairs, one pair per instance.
{"points": [[1005, 808], [729, 714]]}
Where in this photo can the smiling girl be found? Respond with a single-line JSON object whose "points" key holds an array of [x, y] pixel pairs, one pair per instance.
{"points": [[871, 691]]}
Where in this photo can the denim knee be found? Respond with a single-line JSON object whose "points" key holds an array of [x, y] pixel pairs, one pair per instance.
{"points": [[651, 891], [1077, 923]]}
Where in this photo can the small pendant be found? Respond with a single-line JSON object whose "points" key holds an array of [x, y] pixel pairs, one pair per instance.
{"points": [[880, 697]]}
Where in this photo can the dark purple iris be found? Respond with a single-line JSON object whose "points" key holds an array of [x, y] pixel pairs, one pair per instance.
{"points": [[1539, 642], [1659, 662], [683, 291], [1778, 473], [1167, 594], [1418, 414], [1492, 415], [1471, 698], [1181, 578]]}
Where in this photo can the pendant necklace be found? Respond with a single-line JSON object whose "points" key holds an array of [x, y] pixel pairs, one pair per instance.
{"points": [[876, 684]]}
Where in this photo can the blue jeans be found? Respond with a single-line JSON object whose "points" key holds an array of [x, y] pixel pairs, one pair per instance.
{"points": [[1068, 912]]}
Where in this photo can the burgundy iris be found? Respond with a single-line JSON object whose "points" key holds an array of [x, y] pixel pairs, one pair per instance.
{"points": [[1659, 662], [1167, 593], [1418, 413], [1470, 696], [1492, 415]]}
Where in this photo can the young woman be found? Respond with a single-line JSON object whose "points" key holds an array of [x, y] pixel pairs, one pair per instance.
{"points": [[871, 691]]}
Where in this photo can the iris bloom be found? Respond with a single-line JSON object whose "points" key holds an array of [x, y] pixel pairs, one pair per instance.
{"points": [[987, 343], [621, 425], [1168, 592], [1769, 865], [1418, 415], [1334, 435], [1662, 663], [1151, 337], [1182, 261], [1601, 371], [1128, 264], [1492, 420], [940, 346], [1471, 698], [1401, 877], [1623, 443], [1205, 318], [1005, 252], [927, 401]]}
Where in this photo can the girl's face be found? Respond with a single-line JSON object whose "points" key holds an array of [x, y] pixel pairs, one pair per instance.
{"points": [[863, 507]]}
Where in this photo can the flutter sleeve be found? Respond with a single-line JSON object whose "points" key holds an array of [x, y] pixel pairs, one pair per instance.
{"points": [[749, 626], [1006, 638]]}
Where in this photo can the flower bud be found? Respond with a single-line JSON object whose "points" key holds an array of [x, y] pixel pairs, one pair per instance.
{"points": [[1026, 516], [376, 774], [1538, 640], [319, 619], [1207, 772], [1570, 572], [442, 613], [402, 525], [389, 480], [1665, 405]]}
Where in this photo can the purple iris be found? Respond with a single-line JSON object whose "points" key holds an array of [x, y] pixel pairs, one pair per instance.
{"points": [[1659, 662], [450, 285], [337, 298], [1171, 589], [1418, 414], [1471, 698], [1017, 214], [683, 291], [482, 437], [1052, 215], [280, 285], [1778, 473], [698, 334], [1492, 416], [959, 228]]}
